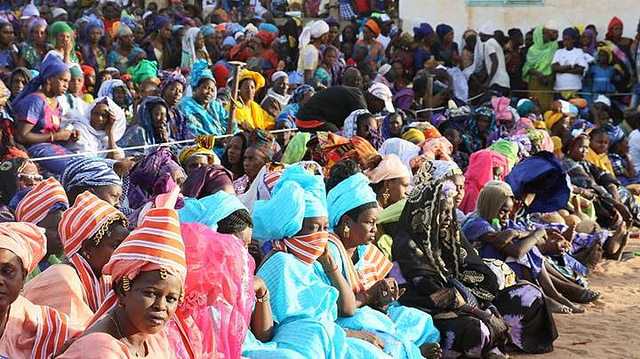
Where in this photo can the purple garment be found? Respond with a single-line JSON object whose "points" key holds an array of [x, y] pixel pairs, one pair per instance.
{"points": [[403, 98], [152, 176]]}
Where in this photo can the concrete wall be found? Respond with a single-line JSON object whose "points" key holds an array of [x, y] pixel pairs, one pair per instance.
{"points": [[564, 12]]}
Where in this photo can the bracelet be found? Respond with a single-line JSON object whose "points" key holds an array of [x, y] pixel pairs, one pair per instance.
{"points": [[264, 298], [51, 136]]}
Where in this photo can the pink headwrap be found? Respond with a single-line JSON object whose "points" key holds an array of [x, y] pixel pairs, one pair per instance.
{"points": [[479, 172], [391, 167], [25, 240], [501, 108], [438, 148]]}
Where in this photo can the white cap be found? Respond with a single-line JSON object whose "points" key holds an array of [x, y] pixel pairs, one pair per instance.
{"points": [[603, 100], [278, 75], [29, 11], [58, 11], [551, 25], [382, 92], [488, 28]]}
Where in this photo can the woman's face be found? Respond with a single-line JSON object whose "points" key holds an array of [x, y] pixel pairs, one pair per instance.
{"points": [[199, 42], [98, 256], [160, 122], [95, 35], [314, 225], [59, 85], [247, 90], [458, 180], [245, 236], [39, 34], [234, 150], [151, 301], [272, 106], [397, 189], [63, 40], [111, 193], [448, 205], [18, 82], [253, 162], [366, 126], [195, 162], [11, 278], [206, 92], [600, 143], [120, 96], [99, 116], [126, 40], [165, 32], [28, 176], [448, 38], [579, 149], [363, 229], [172, 94], [617, 31], [395, 125], [505, 211], [585, 39], [281, 85], [6, 35], [330, 57]]}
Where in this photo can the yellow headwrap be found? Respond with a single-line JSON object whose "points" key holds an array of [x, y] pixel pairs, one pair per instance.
{"points": [[256, 77], [551, 118], [414, 136]]}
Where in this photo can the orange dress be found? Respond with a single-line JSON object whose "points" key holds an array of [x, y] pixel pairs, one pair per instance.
{"points": [[104, 346]]}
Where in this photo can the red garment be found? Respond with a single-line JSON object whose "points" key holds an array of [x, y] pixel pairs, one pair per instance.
{"points": [[362, 6], [615, 21]]}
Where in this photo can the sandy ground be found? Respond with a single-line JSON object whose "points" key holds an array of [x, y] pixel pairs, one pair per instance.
{"points": [[610, 328]]}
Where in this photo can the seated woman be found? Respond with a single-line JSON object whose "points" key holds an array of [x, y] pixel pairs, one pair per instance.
{"points": [[33, 49], [249, 115], [363, 124], [89, 231], [233, 156], [496, 236], [392, 125], [406, 332], [601, 188], [30, 331], [99, 128], [172, 87], [484, 166], [199, 155], [302, 304], [259, 153], [390, 180], [95, 175], [148, 273], [151, 124], [300, 96], [119, 93], [208, 180], [38, 114], [204, 114], [446, 278], [43, 205]]}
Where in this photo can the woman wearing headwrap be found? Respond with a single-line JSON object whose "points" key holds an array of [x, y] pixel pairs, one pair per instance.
{"points": [[374, 49], [95, 175], [204, 113], [390, 180], [569, 64], [259, 152], [588, 42], [248, 114], [620, 47], [90, 230], [480, 126], [158, 46], [18, 80], [352, 214], [311, 38], [425, 37], [62, 36], [37, 113], [120, 55], [73, 103], [208, 180], [144, 71], [302, 304], [151, 259], [93, 54], [98, 129], [118, 91], [233, 156], [537, 69], [35, 47], [446, 50], [200, 154], [151, 124], [300, 96], [484, 166], [193, 48], [172, 87], [31, 331], [446, 278]]}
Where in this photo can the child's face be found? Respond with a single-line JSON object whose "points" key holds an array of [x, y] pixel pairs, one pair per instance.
{"points": [[603, 58], [579, 149], [366, 126], [600, 143]]}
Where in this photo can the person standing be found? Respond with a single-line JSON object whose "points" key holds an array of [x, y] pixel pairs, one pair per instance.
{"points": [[497, 76]]}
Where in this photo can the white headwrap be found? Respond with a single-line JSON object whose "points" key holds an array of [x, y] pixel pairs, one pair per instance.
{"points": [[189, 47], [313, 30], [277, 75], [350, 123]]}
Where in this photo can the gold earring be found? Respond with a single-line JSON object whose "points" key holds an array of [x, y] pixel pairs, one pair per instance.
{"points": [[386, 195], [126, 284], [346, 231], [163, 273]]}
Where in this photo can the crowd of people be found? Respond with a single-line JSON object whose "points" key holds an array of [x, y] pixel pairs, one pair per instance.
{"points": [[232, 186]]}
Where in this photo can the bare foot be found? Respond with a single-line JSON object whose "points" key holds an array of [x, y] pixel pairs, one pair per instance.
{"points": [[431, 351]]}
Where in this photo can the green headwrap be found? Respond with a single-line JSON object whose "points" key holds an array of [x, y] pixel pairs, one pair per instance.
{"points": [[143, 71], [508, 149], [540, 54], [296, 148], [58, 27]]}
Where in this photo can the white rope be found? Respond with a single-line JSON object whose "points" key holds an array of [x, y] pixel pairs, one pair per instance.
{"points": [[141, 147]]}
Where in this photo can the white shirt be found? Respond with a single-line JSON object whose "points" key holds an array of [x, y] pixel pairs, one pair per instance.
{"points": [[564, 57], [308, 59], [384, 40], [634, 149], [501, 78]]}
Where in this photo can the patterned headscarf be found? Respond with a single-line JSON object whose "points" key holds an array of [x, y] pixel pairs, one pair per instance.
{"points": [[26, 241], [151, 176], [43, 198], [206, 180], [89, 172], [169, 77]]}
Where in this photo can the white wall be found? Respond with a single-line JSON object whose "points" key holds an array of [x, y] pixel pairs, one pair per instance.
{"points": [[564, 12]]}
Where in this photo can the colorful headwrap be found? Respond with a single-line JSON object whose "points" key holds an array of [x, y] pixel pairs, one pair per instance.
{"points": [[391, 167], [200, 71], [152, 176], [198, 150], [551, 118], [414, 136], [159, 22], [44, 197], [351, 193], [422, 31], [300, 92], [169, 77], [335, 148], [373, 26], [143, 71], [255, 76], [508, 149], [207, 178], [51, 66], [525, 107], [88, 217], [59, 27], [89, 172], [265, 26], [26, 241], [210, 210]]}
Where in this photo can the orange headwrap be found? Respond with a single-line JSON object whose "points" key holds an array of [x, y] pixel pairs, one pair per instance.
{"points": [[25, 240], [38, 202], [373, 26]]}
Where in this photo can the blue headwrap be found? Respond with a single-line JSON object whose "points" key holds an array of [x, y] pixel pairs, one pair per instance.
{"points": [[207, 30], [51, 66], [200, 70], [300, 91], [159, 22], [347, 195], [234, 28], [297, 195], [443, 29], [210, 210], [265, 26], [89, 172], [229, 41], [571, 32], [422, 31]]}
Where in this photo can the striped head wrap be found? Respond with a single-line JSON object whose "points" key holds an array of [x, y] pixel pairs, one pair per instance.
{"points": [[87, 218], [41, 199], [25, 240], [306, 248], [89, 172]]}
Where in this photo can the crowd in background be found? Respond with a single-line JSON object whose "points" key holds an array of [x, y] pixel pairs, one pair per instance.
{"points": [[249, 183]]}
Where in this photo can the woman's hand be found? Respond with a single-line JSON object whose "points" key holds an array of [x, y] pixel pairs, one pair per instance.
{"points": [[327, 261], [62, 135], [367, 337], [384, 292], [259, 287]]}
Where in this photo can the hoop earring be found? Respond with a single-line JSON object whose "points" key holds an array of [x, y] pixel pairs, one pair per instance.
{"points": [[126, 284], [346, 232]]}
